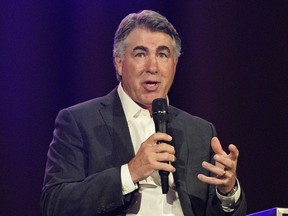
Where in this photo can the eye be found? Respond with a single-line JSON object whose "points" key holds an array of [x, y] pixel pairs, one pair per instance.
{"points": [[140, 55], [163, 55]]}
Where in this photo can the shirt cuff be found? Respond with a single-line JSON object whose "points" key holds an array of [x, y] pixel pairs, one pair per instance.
{"points": [[229, 202], [127, 184]]}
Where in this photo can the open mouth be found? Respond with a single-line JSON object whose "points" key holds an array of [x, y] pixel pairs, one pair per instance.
{"points": [[151, 83]]}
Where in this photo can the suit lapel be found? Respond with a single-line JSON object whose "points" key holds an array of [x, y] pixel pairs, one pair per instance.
{"points": [[114, 117], [181, 148]]}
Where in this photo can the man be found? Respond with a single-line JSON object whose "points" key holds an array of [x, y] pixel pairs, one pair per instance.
{"points": [[103, 159]]}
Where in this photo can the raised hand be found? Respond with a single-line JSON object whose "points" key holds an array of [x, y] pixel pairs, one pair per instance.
{"points": [[224, 168]]}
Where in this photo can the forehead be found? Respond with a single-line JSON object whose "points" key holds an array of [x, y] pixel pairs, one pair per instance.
{"points": [[149, 39]]}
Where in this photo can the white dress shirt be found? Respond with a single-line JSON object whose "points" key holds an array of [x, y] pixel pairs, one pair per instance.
{"points": [[150, 200]]}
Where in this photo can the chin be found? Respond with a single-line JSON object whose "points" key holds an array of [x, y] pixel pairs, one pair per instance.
{"points": [[147, 101]]}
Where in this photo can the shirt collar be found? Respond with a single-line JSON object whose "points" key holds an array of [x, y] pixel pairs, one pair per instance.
{"points": [[131, 109]]}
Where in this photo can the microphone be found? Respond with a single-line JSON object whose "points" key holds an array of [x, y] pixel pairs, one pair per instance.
{"points": [[160, 117]]}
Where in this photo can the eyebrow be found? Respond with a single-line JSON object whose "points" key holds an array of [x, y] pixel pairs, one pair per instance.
{"points": [[160, 48], [143, 48]]}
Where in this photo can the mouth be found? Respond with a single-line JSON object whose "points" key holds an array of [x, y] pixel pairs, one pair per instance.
{"points": [[151, 85]]}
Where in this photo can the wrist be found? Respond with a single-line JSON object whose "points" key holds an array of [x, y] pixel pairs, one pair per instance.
{"points": [[231, 192]]}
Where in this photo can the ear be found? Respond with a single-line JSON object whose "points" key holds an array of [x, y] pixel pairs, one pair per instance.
{"points": [[175, 64], [118, 65]]}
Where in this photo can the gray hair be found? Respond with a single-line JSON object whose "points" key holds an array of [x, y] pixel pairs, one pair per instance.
{"points": [[150, 20]]}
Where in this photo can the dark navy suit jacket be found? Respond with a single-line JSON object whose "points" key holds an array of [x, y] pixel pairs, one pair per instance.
{"points": [[91, 141]]}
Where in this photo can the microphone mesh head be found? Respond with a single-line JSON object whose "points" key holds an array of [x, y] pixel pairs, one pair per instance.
{"points": [[160, 114], [159, 105]]}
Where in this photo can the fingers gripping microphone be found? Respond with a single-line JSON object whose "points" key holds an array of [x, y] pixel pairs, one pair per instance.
{"points": [[160, 117]]}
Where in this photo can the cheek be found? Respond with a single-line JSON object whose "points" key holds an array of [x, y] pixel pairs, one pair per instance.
{"points": [[170, 79], [133, 72], [170, 73], [129, 66]]}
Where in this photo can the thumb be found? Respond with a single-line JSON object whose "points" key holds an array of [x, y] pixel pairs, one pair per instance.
{"points": [[216, 146]]}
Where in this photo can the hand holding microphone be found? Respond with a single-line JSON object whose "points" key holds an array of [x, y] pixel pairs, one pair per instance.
{"points": [[151, 157]]}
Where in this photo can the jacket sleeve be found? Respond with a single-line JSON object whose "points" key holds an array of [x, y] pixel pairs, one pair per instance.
{"points": [[215, 209], [69, 187]]}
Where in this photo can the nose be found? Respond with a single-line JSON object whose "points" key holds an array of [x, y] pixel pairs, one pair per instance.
{"points": [[152, 65]]}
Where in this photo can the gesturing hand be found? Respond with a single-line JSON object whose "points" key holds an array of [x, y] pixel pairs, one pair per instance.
{"points": [[224, 168], [150, 157]]}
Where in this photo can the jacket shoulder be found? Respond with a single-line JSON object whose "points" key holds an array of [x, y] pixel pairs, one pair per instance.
{"points": [[182, 115], [90, 108], [94, 103]]}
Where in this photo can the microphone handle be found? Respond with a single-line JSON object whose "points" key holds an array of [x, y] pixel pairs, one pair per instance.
{"points": [[161, 126], [164, 178]]}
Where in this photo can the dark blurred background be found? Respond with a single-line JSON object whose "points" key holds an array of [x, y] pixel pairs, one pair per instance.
{"points": [[233, 72]]}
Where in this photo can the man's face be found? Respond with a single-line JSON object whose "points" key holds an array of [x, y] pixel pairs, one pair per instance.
{"points": [[148, 66]]}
